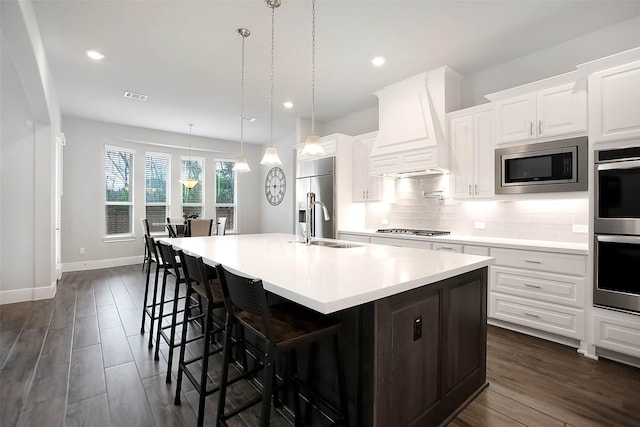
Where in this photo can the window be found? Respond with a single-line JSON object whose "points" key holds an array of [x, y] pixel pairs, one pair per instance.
{"points": [[118, 170], [157, 171], [226, 192], [193, 198]]}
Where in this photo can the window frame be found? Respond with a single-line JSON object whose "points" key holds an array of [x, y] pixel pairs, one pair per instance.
{"points": [[168, 179], [233, 221], [202, 203], [131, 203]]}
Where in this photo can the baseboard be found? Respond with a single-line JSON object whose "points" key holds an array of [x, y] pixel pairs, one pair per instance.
{"points": [[12, 296], [101, 263]]}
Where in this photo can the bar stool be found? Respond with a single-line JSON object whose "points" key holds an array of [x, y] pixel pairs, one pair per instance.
{"points": [[203, 282], [170, 256], [282, 327], [149, 309]]}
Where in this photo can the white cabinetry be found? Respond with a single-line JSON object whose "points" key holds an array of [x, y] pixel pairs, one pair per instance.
{"points": [[540, 290], [447, 247], [619, 332], [552, 112], [353, 237], [614, 103], [472, 147], [366, 187]]}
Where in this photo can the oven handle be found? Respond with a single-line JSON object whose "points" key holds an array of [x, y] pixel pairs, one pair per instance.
{"points": [[619, 165], [618, 239]]}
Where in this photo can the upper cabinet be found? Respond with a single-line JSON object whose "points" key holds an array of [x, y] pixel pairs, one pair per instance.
{"points": [[552, 112], [614, 103], [366, 187], [472, 149]]}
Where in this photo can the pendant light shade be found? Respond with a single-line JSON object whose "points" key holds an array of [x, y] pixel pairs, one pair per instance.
{"points": [[241, 164], [271, 156], [191, 181], [313, 144]]}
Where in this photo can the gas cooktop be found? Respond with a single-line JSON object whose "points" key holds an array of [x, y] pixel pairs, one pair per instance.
{"points": [[412, 232]]}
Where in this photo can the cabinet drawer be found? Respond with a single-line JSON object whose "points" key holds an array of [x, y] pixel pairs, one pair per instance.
{"points": [[353, 237], [449, 247], [556, 319], [617, 334], [405, 243], [554, 288], [542, 261], [476, 250]]}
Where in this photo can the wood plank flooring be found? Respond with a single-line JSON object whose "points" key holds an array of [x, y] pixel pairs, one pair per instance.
{"points": [[79, 360]]}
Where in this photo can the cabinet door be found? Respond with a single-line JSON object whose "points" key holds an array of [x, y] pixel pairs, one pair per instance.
{"points": [[462, 133], [484, 155], [562, 110], [360, 171], [614, 103], [515, 119]]}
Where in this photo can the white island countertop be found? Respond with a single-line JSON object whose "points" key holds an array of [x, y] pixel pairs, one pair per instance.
{"points": [[328, 279]]}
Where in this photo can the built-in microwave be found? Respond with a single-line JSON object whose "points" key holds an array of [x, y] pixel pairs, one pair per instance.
{"points": [[543, 167]]}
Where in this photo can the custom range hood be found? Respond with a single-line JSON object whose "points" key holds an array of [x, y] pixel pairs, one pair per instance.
{"points": [[412, 139]]}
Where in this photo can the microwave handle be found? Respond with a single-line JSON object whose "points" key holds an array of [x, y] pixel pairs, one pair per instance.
{"points": [[619, 165], [634, 240]]}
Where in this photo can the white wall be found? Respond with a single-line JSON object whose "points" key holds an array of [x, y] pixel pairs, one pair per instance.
{"points": [[83, 201], [30, 121]]}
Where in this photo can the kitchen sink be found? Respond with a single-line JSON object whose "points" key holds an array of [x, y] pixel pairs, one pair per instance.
{"points": [[334, 244]]}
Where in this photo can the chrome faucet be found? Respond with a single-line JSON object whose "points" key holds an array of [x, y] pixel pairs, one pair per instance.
{"points": [[310, 216]]}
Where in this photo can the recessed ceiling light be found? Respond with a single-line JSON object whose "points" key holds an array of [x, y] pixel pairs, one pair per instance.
{"points": [[288, 104], [136, 96], [94, 54], [378, 61]]}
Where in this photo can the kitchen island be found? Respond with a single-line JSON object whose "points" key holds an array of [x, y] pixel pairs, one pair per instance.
{"points": [[414, 321]]}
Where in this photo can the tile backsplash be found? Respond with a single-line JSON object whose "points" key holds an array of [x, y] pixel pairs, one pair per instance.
{"points": [[417, 204]]}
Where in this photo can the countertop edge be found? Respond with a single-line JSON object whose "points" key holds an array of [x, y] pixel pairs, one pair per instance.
{"points": [[498, 242]]}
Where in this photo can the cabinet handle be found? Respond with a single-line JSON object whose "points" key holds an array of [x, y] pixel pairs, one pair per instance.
{"points": [[470, 193], [445, 248], [532, 286], [530, 128], [476, 189], [535, 316], [363, 194], [367, 194], [530, 261], [539, 127]]}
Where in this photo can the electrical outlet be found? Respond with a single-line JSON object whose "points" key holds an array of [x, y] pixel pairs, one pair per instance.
{"points": [[479, 225], [580, 228], [385, 221], [81, 251]]}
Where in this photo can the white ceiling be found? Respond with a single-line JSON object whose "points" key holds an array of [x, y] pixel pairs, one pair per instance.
{"points": [[185, 55]]}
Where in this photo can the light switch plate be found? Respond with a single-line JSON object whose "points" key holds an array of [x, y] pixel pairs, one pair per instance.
{"points": [[580, 228], [480, 225], [385, 221]]}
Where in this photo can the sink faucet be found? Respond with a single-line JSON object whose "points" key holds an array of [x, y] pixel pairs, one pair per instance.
{"points": [[310, 216]]}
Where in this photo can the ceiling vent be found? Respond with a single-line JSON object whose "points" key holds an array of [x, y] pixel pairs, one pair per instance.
{"points": [[136, 96]]}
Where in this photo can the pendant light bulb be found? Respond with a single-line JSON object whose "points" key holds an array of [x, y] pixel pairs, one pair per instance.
{"points": [[241, 164], [271, 156], [313, 144]]}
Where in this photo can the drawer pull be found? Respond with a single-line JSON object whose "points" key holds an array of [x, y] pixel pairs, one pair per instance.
{"points": [[445, 248], [535, 316], [530, 261], [532, 286]]}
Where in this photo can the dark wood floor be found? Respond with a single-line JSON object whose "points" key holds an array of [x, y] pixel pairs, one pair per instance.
{"points": [[79, 359]]}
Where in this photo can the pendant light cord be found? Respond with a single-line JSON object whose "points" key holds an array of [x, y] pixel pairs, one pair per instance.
{"points": [[313, 65], [242, 96], [273, 26]]}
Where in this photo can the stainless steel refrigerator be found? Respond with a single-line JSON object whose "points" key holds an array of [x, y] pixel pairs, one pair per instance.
{"points": [[316, 176]]}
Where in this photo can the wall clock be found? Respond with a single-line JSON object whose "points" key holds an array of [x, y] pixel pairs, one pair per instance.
{"points": [[275, 186]]}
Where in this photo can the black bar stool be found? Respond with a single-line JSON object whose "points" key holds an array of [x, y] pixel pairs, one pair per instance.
{"points": [[202, 281], [282, 327], [148, 308]]}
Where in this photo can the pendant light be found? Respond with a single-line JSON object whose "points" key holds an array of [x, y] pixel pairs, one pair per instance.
{"points": [[313, 144], [241, 164], [191, 181], [271, 156]]}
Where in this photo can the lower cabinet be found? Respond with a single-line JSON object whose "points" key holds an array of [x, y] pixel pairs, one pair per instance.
{"points": [[619, 332], [405, 243], [359, 238]]}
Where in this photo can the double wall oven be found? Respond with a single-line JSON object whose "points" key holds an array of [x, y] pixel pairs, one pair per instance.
{"points": [[617, 229]]}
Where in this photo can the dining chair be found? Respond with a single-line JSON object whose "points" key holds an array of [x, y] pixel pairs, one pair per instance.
{"points": [[145, 228], [221, 229], [199, 227], [176, 227]]}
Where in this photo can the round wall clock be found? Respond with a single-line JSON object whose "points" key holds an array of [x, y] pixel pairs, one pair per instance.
{"points": [[275, 185]]}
